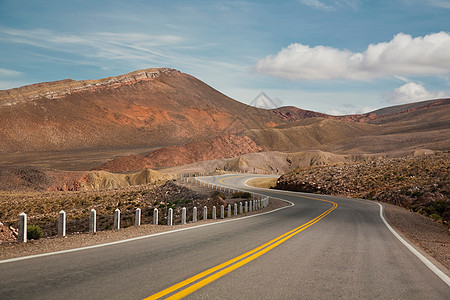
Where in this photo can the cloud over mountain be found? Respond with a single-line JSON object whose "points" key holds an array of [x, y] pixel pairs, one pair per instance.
{"points": [[412, 92], [403, 55]]}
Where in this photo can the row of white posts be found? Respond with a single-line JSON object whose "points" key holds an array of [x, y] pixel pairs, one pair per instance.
{"points": [[195, 174], [187, 178], [251, 205]]}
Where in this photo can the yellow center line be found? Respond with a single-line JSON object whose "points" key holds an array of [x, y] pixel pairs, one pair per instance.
{"points": [[238, 261]]}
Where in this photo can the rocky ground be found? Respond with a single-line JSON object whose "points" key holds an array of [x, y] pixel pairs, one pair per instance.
{"points": [[419, 183]]}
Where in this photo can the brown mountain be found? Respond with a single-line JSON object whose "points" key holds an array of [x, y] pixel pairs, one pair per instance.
{"points": [[78, 125], [154, 108]]}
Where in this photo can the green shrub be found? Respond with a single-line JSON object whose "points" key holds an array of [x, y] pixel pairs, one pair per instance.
{"points": [[436, 217], [34, 232]]}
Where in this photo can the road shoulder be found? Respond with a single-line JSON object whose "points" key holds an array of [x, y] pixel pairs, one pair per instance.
{"points": [[426, 234]]}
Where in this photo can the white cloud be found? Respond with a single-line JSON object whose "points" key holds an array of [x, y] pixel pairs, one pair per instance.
{"points": [[345, 111], [366, 109], [412, 92], [402, 56], [335, 112]]}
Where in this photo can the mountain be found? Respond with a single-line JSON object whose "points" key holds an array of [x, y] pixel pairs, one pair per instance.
{"points": [[153, 108], [80, 125]]}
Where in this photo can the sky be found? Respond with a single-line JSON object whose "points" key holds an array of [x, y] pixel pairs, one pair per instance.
{"points": [[330, 56]]}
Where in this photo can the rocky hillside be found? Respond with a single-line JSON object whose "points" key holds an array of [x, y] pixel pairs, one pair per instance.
{"points": [[273, 162], [420, 183], [309, 134], [219, 147]]}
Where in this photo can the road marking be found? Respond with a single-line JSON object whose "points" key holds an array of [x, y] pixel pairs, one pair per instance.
{"points": [[428, 263], [202, 279], [422, 258]]}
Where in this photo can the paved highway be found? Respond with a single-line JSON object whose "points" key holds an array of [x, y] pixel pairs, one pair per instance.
{"points": [[322, 247]]}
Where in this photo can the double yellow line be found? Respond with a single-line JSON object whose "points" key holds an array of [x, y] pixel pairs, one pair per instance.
{"points": [[198, 281]]}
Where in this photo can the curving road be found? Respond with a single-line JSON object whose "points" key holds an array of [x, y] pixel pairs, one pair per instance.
{"points": [[322, 247]]}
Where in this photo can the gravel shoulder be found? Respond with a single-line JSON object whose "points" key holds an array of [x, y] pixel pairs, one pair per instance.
{"points": [[426, 234]]}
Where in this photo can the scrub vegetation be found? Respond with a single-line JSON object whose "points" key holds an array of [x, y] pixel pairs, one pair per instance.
{"points": [[42, 208], [418, 183]]}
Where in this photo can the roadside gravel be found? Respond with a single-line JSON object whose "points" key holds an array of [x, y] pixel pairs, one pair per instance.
{"points": [[428, 235]]}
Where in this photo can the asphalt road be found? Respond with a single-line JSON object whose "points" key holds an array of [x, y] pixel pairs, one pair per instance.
{"points": [[340, 248]]}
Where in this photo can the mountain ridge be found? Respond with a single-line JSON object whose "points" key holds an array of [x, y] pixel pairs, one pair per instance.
{"points": [[60, 88]]}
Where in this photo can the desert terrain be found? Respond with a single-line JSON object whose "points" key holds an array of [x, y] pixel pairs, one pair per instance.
{"points": [[123, 142]]}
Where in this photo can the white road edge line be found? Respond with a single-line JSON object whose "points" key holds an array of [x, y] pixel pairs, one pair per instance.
{"points": [[428, 263], [140, 237]]}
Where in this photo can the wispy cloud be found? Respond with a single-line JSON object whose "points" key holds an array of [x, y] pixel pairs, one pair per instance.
{"points": [[9, 73], [106, 45], [402, 56], [332, 5], [9, 78], [439, 3], [435, 3], [317, 4]]}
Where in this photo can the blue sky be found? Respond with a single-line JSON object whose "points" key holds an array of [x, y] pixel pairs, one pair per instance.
{"points": [[331, 56]]}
